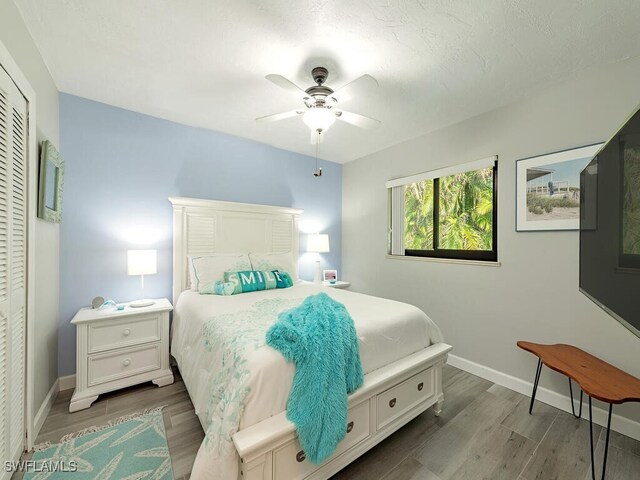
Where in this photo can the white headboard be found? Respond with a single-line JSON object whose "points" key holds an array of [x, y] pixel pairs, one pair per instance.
{"points": [[210, 226]]}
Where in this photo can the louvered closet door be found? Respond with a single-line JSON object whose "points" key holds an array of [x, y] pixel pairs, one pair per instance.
{"points": [[13, 261], [5, 125]]}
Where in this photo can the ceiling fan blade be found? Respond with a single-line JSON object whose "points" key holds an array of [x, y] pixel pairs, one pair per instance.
{"points": [[279, 116], [360, 86], [357, 120], [288, 85]]}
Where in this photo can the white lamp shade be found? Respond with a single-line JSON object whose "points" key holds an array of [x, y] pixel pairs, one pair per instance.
{"points": [[142, 262], [319, 118], [318, 243]]}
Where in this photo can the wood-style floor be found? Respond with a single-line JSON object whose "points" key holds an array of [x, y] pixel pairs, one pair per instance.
{"points": [[484, 432]]}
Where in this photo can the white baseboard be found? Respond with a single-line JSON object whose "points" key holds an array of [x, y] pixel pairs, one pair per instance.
{"points": [[45, 408], [67, 383], [623, 425]]}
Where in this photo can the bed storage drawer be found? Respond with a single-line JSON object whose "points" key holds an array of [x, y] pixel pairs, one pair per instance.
{"points": [[404, 396], [123, 332], [123, 363], [289, 460]]}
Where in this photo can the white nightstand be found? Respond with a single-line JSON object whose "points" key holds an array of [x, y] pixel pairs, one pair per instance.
{"points": [[338, 284], [119, 348]]}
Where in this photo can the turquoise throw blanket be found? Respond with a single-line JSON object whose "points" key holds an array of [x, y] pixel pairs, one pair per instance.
{"points": [[320, 338]]}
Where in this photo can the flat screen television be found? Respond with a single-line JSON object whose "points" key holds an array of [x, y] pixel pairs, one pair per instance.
{"points": [[610, 226]]}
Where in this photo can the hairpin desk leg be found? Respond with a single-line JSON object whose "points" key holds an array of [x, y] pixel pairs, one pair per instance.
{"points": [[606, 443], [535, 385], [573, 410]]}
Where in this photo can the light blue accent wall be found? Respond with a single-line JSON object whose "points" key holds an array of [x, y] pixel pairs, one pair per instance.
{"points": [[120, 167]]}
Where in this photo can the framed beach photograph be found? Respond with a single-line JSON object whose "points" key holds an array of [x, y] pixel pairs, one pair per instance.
{"points": [[548, 189], [330, 275]]}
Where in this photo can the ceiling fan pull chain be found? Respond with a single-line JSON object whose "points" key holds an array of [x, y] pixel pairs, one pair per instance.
{"points": [[318, 172]]}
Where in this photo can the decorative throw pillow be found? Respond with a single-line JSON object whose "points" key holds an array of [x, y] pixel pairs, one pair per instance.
{"points": [[205, 270], [248, 281]]}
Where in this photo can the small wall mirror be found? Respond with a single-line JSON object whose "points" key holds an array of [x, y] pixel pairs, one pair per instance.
{"points": [[51, 181]]}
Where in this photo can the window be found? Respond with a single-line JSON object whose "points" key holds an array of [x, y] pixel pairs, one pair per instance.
{"points": [[448, 213]]}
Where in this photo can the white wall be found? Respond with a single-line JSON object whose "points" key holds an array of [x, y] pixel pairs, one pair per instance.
{"points": [[534, 294], [16, 38]]}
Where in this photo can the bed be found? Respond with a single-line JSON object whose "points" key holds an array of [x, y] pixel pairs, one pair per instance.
{"points": [[239, 386]]}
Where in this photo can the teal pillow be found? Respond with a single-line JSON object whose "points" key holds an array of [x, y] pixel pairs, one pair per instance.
{"points": [[253, 280], [283, 279], [247, 281]]}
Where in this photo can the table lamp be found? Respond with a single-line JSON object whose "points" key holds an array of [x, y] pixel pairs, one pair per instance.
{"points": [[318, 243], [141, 262]]}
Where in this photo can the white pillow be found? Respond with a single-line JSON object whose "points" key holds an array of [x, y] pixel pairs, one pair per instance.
{"points": [[274, 261], [206, 269]]}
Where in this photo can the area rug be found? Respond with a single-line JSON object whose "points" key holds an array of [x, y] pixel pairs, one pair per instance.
{"points": [[129, 448]]}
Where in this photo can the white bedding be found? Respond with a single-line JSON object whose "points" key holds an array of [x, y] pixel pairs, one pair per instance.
{"points": [[236, 381]]}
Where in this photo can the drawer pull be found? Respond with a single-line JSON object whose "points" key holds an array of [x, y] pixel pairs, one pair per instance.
{"points": [[349, 427], [420, 386], [392, 402], [126, 332], [126, 362], [300, 456]]}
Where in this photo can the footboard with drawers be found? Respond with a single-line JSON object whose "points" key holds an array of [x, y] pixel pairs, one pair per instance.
{"points": [[390, 397]]}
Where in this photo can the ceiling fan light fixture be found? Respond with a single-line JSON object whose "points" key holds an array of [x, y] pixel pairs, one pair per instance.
{"points": [[318, 118]]}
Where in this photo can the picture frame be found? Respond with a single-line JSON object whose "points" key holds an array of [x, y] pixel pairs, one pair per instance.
{"points": [[548, 189], [330, 275], [50, 183]]}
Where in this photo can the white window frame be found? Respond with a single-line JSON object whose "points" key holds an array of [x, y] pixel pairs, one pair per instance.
{"points": [[396, 188]]}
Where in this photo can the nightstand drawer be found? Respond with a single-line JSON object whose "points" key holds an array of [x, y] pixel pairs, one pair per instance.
{"points": [[125, 332], [111, 366]]}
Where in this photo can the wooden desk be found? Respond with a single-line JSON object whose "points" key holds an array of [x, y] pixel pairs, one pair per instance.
{"points": [[597, 378]]}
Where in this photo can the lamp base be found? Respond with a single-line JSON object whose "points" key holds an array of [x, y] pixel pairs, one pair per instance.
{"points": [[142, 303], [318, 274]]}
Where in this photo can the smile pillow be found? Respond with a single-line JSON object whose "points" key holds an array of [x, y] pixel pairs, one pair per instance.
{"points": [[254, 280]]}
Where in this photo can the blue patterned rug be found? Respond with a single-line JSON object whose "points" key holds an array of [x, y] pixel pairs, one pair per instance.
{"points": [[130, 448]]}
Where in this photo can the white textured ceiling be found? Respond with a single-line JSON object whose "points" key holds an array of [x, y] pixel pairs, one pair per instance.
{"points": [[203, 62]]}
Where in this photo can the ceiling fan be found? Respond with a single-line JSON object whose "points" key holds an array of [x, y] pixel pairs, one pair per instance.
{"points": [[320, 108]]}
